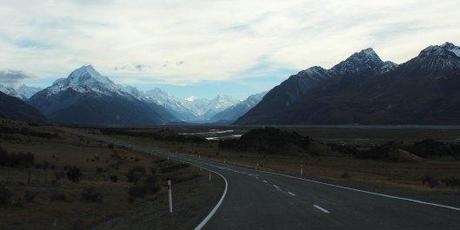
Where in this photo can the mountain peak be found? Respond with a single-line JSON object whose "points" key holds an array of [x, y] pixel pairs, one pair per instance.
{"points": [[363, 62], [86, 74], [445, 49]]}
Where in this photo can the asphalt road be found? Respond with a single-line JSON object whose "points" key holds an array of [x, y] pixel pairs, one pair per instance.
{"points": [[261, 200]]}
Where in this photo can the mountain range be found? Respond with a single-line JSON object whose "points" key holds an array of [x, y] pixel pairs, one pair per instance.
{"points": [[363, 89], [232, 113], [86, 97]]}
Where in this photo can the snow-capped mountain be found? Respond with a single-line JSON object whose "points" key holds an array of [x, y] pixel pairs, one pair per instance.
{"points": [[205, 108], [11, 83], [365, 90], [364, 62], [189, 109], [87, 97], [22, 92], [84, 80], [235, 111]]}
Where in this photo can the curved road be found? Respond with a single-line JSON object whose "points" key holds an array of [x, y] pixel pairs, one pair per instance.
{"points": [[263, 200]]}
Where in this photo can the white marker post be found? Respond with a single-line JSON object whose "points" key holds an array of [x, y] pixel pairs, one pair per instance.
{"points": [[301, 170], [170, 196], [209, 176]]}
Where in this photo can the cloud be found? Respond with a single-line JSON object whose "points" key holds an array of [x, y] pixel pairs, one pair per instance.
{"points": [[187, 41], [13, 78]]}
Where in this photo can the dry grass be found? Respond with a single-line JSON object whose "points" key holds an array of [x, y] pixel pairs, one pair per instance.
{"points": [[97, 163]]}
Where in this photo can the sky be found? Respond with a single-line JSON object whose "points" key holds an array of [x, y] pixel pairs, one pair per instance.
{"points": [[209, 47]]}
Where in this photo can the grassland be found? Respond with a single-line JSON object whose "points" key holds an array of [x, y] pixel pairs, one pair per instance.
{"points": [[105, 193]]}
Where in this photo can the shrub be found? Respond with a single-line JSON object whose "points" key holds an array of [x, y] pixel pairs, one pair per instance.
{"points": [[55, 196], [110, 146], [30, 196], [91, 195], [16, 160], [74, 174], [113, 178], [345, 175], [451, 181], [135, 174], [430, 181], [136, 192], [148, 185], [5, 195]]}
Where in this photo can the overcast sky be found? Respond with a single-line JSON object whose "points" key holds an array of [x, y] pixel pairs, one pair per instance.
{"points": [[205, 47]]}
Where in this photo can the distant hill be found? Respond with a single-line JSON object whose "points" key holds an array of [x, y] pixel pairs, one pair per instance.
{"points": [[365, 90], [14, 108]]}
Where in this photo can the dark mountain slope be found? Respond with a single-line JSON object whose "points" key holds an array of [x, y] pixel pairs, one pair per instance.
{"points": [[14, 108]]}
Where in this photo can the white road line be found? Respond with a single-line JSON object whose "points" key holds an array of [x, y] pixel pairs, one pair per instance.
{"points": [[292, 194], [265, 181], [321, 209], [214, 210], [367, 192], [277, 188]]}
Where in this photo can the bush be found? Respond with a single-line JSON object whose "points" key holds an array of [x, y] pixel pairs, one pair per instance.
{"points": [[430, 181], [268, 141], [451, 181], [74, 174], [5, 195], [114, 178], [135, 174], [148, 185], [431, 148], [30, 196], [136, 192], [16, 160], [91, 195], [55, 196], [345, 175]]}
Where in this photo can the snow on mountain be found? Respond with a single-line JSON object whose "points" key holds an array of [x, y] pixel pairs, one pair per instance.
{"points": [[11, 83], [364, 62], [22, 92], [205, 108], [85, 79], [233, 112]]}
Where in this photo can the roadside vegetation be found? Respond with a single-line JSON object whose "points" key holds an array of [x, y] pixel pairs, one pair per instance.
{"points": [[53, 179], [415, 160]]}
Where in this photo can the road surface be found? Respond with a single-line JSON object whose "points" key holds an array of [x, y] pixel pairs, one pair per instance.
{"points": [[262, 200]]}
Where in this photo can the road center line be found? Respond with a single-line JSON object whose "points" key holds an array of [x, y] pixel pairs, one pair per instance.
{"points": [[265, 181], [321, 209], [277, 188], [292, 194]]}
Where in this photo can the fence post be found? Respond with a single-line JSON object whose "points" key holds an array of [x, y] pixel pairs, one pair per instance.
{"points": [[170, 196]]}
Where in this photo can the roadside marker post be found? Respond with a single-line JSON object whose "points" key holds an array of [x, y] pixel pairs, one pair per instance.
{"points": [[170, 196], [209, 176], [301, 170]]}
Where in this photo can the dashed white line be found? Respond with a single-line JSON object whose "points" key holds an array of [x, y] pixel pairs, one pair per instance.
{"points": [[292, 194], [265, 181], [277, 188], [321, 209]]}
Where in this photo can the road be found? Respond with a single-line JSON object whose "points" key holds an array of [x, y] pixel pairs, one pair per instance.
{"points": [[262, 200]]}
